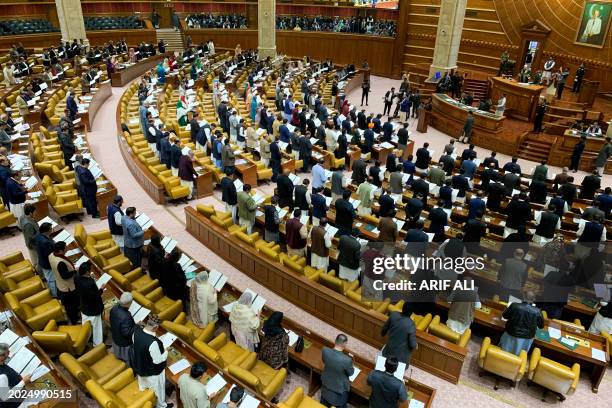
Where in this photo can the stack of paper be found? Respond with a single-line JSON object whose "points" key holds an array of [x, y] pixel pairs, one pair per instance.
{"points": [[63, 236], [399, 373], [138, 312], [168, 243], [217, 279], [179, 366], [81, 261], [215, 384], [49, 220], [144, 221], [167, 339]]}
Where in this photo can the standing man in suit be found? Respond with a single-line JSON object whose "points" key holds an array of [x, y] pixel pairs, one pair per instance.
{"points": [[423, 158], [229, 195], [345, 213], [387, 391], [89, 188], [349, 256], [590, 185], [439, 219], [402, 338], [246, 208], [133, 237], [337, 368], [388, 100], [359, 171], [284, 188], [71, 105], [577, 153]]}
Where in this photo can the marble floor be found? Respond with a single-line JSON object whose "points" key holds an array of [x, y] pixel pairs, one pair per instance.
{"points": [[472, 391]]}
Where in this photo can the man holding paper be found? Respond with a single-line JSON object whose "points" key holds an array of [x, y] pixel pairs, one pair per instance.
{"points": [[92, 306], [10, 380], [387, 390], [338, 367], [133, 237], [148, 360], [247, 208], [192, 392], [89, 188]]}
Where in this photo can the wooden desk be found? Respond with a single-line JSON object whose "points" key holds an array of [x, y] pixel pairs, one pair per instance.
{"points": [[54, 380], [449, 116], [492, 320], [563, 146], [248, 173], [125, 75], [204, 184], [434, 354], [103, 92], [521, 100]]}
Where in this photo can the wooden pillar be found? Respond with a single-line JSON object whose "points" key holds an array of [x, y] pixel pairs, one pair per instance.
{"points": [[266, 28], [71, 22], [399, 45], [448, 37]]}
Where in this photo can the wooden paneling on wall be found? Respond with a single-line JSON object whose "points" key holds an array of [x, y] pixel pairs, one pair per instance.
{"points": [[342, 48]]}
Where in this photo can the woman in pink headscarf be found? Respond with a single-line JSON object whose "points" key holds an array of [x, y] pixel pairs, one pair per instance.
{"points": [[345, 108]]}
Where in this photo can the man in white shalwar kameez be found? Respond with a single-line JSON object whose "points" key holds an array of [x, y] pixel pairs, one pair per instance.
{"points": [[149, 361]]}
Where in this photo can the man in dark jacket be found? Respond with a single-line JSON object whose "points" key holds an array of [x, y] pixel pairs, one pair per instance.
{"points": [[284, 188], [488, 174], [349, 256], [92, 305], [229, 195], [577, 153], [423, 157], [491, 159], [518, 211], [568, 191], [523, 319], [387, 204], [590, 185], [387, 390], [195, 126], [337, 368], [122, 327], [345, 214], [538, 191], [44, 247], [402, 338], [513, 166], [89, 188], [439, 220], [359, 172], [496, 193]]}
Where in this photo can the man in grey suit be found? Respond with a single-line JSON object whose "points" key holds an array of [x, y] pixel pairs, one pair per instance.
{"points": [[387, 391], [402, 335], [338, 367]]}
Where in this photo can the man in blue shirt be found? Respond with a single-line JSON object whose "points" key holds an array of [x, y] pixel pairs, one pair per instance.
{"points": [[469, 168], [605, 201], [387, 130], [476, 205], [285, 134], [318, 175], [133, 237]]}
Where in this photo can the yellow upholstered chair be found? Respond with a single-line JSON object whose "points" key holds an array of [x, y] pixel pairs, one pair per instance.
{"points": [[269, 249], [553, 376], [97, 364], [14, 262], [293, 262], [339, 285], [110, 258], [206, 210], [36, 310], [60, 188], [249, 239], [263, 173], [378, 306], [135, 279], [443, 331], [6, 217], [12, 281], [64, 204], [221, 351], [494, 360], [298, 399], [187, 331], [258, 375], [31, 286], [154, 299], [100, 240], [173, 187], [70, 339], [121, 392]]}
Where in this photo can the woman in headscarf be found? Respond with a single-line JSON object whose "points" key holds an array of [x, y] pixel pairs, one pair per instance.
{"points": [[274, 349], [244, 322], [345, 108], [203, 301]]}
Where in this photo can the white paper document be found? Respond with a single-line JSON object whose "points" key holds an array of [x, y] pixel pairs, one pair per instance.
{"points": [[104, 279], [217, 279], [215, 384], [355, 374], [138, 312], [598, 354], [399, 373], [179, 366]]}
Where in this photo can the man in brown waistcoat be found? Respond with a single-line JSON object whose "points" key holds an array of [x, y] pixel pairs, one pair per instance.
{"points": [[320, 244], [64, 273], [296, 234]]}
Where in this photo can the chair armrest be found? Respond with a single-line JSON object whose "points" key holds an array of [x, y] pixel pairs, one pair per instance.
{"points": [[483, 351], [28, 290], [81, 341], [275, 385], [465, 338], [38, 321], [533, 363], [207, 332], [181, 319], [38, 298], [110, 252], [100, 235], [145, 400], [576, 371], [121, 279], [171, 312], [20, 274], [119, 381], [12, 258], [523, 367], [74, 367], [50, 326]]}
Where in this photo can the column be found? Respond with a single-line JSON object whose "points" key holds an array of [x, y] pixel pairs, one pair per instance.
{"points": [[71, 21], [448, 37], [266, 28]]}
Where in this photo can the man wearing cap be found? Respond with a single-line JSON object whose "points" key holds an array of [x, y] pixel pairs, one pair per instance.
{"points": [[149, 361]]}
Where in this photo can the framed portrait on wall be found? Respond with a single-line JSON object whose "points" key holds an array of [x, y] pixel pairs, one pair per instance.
{"points": [[594, 23]]}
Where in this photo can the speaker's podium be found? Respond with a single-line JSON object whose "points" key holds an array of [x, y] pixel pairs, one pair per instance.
{"points": [[588, 92]]}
